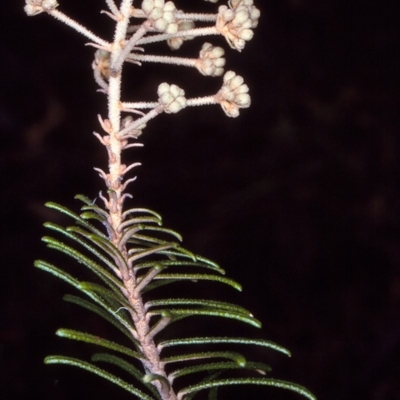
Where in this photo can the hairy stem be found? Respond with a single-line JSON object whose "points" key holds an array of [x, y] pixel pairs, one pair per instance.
{"points": [[115, 145]]}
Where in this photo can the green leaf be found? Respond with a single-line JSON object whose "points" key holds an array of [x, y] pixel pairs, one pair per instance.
{"points": [[224, 366], [165, 386], [196, 277], [101, 312], [199, 302], [155, 285], [161, 230], [59, 273], [84, 199], [76, 217], [141, 210], [182, 313], [98, 371], [231, 355], [223, 340], [248, 381], [209, 378], [88, 338], [152, 250], [93, 215], [139, 220], [175, 263], [117, 298], [78, 239], [75, 283], [126, 366], [103, 274]]}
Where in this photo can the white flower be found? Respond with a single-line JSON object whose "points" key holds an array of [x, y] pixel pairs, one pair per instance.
{"points": [[161, 14], [171, 97], [211, 61], [34, 7], [233, 94], [183, 25], [237, 22]]}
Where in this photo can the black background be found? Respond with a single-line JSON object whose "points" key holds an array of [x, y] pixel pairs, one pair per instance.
{"points": [[298, 198]]}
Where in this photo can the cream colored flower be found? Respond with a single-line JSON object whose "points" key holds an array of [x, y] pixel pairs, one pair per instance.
{"points": [[35, 7], [183, 25], [233, 94], [211, 61], [237, 22], [171, 97], [161, 14]]}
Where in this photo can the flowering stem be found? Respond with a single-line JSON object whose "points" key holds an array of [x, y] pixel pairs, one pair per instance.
{"points": [[79, 28], [211, 30], [186, 62]]}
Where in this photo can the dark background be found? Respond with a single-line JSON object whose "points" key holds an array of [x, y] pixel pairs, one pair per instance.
{"points": [[298, 198]]}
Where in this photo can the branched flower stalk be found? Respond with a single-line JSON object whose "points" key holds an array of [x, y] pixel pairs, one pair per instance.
{"points": [[125, 248]]}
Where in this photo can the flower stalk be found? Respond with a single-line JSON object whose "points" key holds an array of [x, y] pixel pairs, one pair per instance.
{"points": [[159, 21]]}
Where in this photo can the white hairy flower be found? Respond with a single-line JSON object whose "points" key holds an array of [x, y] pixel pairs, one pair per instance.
{"points": [[237, 22], [161, 15], [171, 97], [211, 61], [183, 25], [34, 7], [233, 94]]}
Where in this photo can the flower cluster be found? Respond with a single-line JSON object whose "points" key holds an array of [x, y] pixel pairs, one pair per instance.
{"points": [[34, 7], [171, 97], [211, 61], [161, 14], [176, 42], [233, 94], [237, 22]]}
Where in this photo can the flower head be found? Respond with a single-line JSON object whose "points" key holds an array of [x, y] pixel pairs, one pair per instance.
{"points": [[161, 15], [233, 94], [171, 97], [34, 7], [211, 61], [183, 25], [237, 22]]}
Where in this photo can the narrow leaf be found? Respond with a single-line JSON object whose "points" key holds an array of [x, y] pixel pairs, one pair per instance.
{"points": [[59, 273], [126, 366], [209, 378], [139, 220], [199, 302], [117, 298], [175, 263], [76, 284], [68, 233], [162, 230], [98, 371], [196, 277], [224, 366], [101, 312], [223, 340], [182, 313], [141, 210], [108, 278], [231, 355], [88, 338], [84, 199], [76, 217], [152, 250], [249, 381]]}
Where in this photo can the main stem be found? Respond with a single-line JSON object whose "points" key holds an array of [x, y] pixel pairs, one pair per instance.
{"points": [[152, 362]]}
